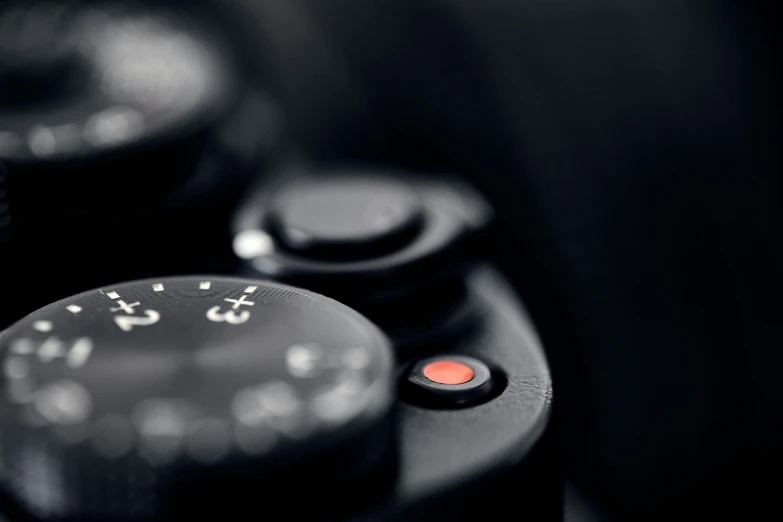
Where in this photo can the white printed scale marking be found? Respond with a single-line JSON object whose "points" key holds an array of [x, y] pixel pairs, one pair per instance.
{"points": [[127, 322], [231, 316], [22, 346], [53, 348], [127, 308], [43, 326], [239, 302], [79, 353]]}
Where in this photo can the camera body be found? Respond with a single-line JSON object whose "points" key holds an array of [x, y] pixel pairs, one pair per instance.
{"points": [[222, 377]]}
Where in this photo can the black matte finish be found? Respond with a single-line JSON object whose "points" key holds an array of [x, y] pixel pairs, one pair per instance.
{"points": [[444, 462], [453, 212], [456, 464], [349, 218], [127, 394], [405, 290]]}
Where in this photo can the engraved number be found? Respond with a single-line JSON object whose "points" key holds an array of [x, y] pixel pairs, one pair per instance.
{"points": [[230, 317], [127, 322]]}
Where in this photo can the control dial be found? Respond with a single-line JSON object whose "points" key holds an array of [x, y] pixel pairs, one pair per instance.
{"points": [[134, 75], [393, 245], [112, 105], [345, 217], [156, 398]]}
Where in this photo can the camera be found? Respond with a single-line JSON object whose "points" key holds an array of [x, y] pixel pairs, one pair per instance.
{"points": [[210, 323]]}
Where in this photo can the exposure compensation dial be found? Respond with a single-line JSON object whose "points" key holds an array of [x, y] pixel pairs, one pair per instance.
{"points": [[120, 402]]}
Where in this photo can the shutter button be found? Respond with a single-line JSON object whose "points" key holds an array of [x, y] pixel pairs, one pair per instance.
{"points": [[448, 380]]}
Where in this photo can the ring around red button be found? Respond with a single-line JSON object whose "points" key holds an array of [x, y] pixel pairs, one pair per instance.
{"points": [[448, 381]]}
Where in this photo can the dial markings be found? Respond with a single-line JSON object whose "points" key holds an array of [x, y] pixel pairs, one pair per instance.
{"points": [[63, 402], [304, 360], [230, 317], [16, 367], [127, 308], [43, 326], [239, 302], [79, 353], [245, 415], [22, 346], [53, 348], [50, 349], [127, 322]]}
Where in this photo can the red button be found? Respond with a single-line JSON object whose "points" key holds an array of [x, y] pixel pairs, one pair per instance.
{"points": [[448, 372], [447, 381]]}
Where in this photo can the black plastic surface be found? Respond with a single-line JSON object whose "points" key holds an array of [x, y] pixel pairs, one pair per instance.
{"points": [[348, 218], [449, 457], [452, 214], [412, 285], [451, 462]]}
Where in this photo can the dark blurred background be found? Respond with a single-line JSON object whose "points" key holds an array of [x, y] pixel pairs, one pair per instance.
{"points": [[631, 152]]}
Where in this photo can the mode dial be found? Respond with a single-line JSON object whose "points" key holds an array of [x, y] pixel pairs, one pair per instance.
{"points": [[156, 399], [109, 105], [142, 74]]}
